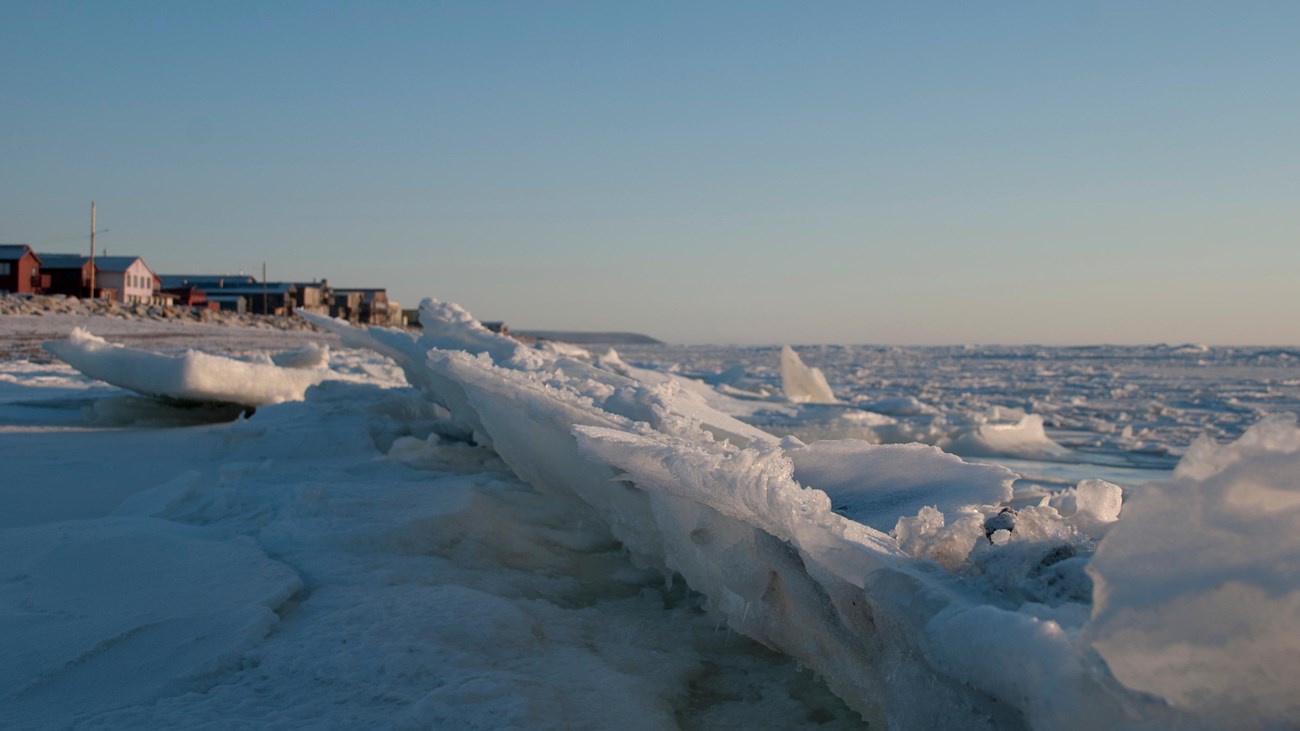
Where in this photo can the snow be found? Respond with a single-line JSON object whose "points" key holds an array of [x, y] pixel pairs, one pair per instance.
{"points": [[119, 611], [543, 539]]}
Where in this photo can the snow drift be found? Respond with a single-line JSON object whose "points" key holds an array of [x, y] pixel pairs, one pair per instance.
{"points": [[967, 613]]}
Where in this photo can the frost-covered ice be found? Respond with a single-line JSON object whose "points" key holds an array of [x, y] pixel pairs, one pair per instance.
{"points": [[542, 538]]}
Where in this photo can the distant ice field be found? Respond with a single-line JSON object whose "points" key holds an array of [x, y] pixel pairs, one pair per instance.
{"points": [[1125, 413]]}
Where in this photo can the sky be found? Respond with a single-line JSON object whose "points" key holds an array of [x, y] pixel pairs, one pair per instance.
{"points": [[703, 172]]}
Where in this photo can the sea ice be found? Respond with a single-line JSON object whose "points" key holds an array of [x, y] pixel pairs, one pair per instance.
{"points": [[1197, 597], [974, 611], [1025, 439], [191, 376], [100, 614], [803, 384], [877, 484], [778, 564]]}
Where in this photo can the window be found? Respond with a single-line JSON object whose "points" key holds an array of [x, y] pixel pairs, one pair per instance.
{"points": [[4, 268]]}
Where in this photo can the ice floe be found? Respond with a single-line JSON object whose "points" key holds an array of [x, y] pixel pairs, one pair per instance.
{"points": [[193, 376]]}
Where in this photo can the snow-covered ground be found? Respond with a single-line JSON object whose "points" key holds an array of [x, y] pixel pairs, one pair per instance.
{"points": [[536, 538]]}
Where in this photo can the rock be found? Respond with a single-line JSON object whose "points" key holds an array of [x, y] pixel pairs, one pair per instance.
{"points": [[1004, 520]]}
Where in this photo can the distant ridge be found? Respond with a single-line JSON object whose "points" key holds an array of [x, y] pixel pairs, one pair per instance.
{"points": [[586, 338]]}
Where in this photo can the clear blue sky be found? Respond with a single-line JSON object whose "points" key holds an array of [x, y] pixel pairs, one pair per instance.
{"points": [[924, 172]]}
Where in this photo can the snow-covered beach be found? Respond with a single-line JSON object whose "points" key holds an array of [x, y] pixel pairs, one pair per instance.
{"points": [[454, 530]]}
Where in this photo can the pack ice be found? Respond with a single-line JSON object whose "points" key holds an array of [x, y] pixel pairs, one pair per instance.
{"points": [[898, 572]]}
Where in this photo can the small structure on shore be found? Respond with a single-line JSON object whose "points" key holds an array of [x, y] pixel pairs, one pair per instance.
{"points": [[20, 269], [125, 279]]}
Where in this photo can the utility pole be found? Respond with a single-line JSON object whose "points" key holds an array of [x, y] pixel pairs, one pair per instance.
{"points": [[265, 309], [92, 249]]}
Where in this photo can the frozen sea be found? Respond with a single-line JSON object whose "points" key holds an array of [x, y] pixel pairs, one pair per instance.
{"points": [[461, 532], [1126, 413]]}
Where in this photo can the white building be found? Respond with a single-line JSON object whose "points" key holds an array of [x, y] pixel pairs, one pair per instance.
{"points": [[129, 276]]}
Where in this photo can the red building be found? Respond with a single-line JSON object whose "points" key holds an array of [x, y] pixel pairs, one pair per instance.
{"points": [[68, 274], [20, 270], [188, 296]]}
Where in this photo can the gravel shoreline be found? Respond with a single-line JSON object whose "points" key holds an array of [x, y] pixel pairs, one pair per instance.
{"points": [[28, 321]]}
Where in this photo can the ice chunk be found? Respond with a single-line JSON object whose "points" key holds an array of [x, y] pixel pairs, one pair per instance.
{"points": [[1273, 433], [876, 484], [1099, 499], [1197, 597], [561, 348], [801, 383], [1026, 439], [901, 406], [312, 355], [929, 535], [191, 376]]}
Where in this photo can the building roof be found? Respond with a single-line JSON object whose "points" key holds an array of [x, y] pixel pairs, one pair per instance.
{"points": [[368, 294], [63, 261], [206, 281], [276, 288], [14, 252], [102, 263], [117, 263]]}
